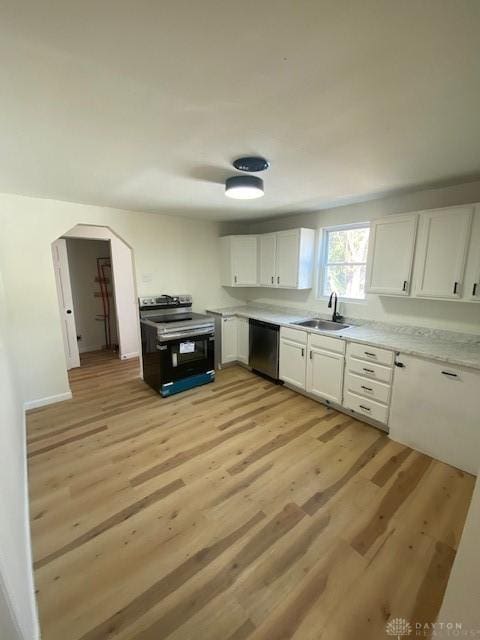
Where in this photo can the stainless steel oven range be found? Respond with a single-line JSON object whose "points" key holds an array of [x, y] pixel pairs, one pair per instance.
{"points": [[178, 345]]}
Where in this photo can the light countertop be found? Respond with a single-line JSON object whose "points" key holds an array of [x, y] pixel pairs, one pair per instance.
{"points": [[447, 346]]}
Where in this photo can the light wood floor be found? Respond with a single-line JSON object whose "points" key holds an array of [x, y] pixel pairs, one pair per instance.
{"points": [[236, 510]]}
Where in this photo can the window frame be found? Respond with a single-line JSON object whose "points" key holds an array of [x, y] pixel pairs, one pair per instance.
{"points": [[323, 255]]}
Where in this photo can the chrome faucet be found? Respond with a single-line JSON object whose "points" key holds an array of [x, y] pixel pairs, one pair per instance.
{"points": [[336, 317]]}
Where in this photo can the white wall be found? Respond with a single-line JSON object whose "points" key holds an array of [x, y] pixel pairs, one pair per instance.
{"points": [[82, 262], [17, 604], [171, 254], [462, 597], [455, 316]]}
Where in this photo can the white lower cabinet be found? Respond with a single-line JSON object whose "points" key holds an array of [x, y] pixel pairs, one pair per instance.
{"points": [[312, 362], [368, 377], [325, 364], [243, 335], [435, 408], [229, 339], [292, 362]]}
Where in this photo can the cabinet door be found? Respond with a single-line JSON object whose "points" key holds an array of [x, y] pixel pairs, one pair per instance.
{"points": [[471, 290], [292, 363], [229, 339], [390, 255], [325, 374], [243, 332], [435, 408], [266, 260], [288, 245], [244, 260], [442, 249]]}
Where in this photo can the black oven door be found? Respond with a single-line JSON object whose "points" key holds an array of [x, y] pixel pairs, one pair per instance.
{"points": [[185, 356]]}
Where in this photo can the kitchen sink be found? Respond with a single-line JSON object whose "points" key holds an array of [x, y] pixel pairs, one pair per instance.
{"points": [[322, 325]]}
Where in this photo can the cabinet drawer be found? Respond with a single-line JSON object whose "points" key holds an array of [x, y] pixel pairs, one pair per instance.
{"points": [[366, 407], [372, 354], [369, 388], [326, 343], [370, 370], [295, 335]]}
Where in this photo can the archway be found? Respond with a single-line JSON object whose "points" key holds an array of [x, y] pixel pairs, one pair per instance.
{"points": [[125, 295]]}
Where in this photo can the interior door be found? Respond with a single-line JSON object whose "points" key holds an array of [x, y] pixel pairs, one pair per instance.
{"points": [[392, 243], [288, 245], [65, 302], [442, 251], [267, 253]]}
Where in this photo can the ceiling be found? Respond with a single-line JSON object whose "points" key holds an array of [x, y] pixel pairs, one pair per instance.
{"points": [[142, 105]]}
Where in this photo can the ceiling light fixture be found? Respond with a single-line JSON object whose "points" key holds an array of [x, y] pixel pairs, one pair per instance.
{"points": [[244, 187]]}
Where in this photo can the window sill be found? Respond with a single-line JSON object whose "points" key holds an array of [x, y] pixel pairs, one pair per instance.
{"points": [[359, 301]]}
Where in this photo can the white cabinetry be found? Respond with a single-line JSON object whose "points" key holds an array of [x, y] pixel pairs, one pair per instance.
{"points": [[239, 261], [325, 364], [243, 335], [390, 255], [229, 339], [267, 256], [471, 289], [443, 239], [312, 362], [367, 384], [293, 345], [286, 259], [435, 408]]}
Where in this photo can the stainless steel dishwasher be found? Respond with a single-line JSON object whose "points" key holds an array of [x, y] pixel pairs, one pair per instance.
{"points": [[264, 348]]}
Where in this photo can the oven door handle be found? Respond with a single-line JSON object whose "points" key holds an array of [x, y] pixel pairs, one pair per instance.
{"points": [[192, 334]]}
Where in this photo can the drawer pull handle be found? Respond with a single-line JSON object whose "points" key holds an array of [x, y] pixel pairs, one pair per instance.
{"points": [[364, 408], [447, 373], [368, 370], [405, 283], [366, 388], [272, 279], [474, 290], [303, 352], [369, 353], [278, 279], [311, 354], [455, 287], [235, 279]]}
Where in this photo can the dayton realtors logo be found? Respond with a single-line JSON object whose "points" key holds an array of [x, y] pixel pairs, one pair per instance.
{"points": [[399, 628]]}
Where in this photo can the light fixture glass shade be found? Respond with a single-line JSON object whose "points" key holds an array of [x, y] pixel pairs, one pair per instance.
{"points": [[244, 187]]}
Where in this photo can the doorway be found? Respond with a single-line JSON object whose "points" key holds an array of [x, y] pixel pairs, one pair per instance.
{"points": [[96, 295]]}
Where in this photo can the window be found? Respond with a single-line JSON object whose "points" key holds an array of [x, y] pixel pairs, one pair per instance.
{"points": [[344, 261]]}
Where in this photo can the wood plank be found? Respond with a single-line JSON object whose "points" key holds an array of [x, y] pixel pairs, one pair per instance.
{"points": [[235, 510]]}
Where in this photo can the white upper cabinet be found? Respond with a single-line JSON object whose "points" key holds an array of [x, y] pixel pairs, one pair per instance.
{"points": [[390, 255], [443, 239], [267, 255], [239, 261], [471, 288], [286, 259]]}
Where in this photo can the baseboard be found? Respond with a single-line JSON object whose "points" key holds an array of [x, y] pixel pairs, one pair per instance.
{"points": [[31, 577], [127, 356], [41, 402]]}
